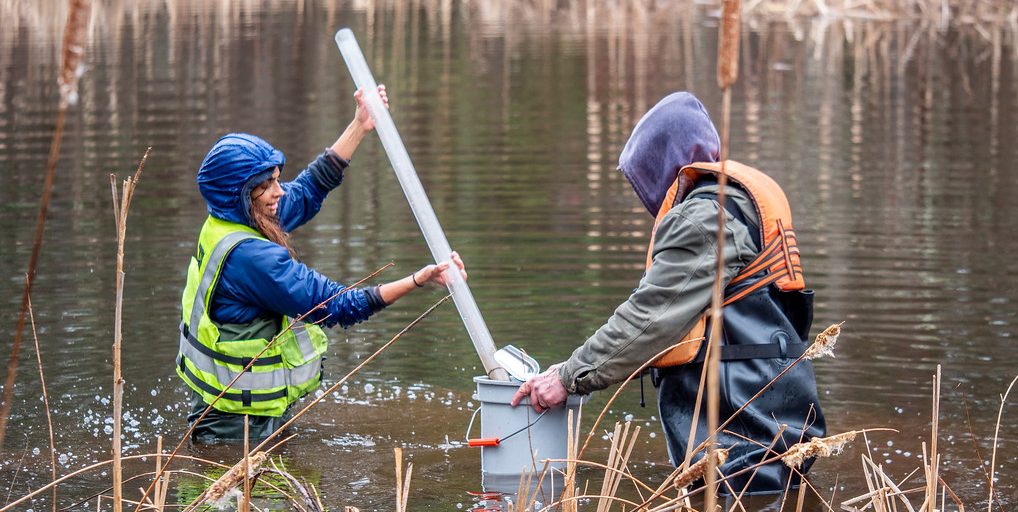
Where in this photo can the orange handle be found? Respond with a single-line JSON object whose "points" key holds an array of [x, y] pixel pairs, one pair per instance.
{"points": [[484, 441]]}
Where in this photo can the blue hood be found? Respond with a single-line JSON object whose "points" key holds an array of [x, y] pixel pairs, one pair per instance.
{"points": [[673, 134], [237, 163]]}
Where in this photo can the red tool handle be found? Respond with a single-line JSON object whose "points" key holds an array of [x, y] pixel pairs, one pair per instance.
{"points": [[484, 441]]}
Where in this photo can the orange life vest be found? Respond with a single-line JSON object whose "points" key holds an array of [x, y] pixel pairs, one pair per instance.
{"points": [[778, 261]]}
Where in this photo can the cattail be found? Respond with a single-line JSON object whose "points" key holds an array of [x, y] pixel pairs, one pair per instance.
{"points": [[696, 471], [824, 344], [230, 479], [728, 44], [817, 447], [74, 50]]}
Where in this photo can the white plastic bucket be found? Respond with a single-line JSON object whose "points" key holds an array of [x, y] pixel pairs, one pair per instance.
{"points": [[523, 452]]}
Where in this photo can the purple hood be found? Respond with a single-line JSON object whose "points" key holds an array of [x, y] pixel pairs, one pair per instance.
{"points": [[673, 134]]}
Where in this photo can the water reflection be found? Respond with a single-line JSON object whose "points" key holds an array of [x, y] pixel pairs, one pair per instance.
{"points": [[892, 139]]}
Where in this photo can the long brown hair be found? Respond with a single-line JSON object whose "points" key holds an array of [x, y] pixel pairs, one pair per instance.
{"points": [[268, 225]]}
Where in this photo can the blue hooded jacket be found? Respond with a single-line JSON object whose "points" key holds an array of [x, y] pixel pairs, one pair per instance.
{"points": [[673, 134], [259, 278]]}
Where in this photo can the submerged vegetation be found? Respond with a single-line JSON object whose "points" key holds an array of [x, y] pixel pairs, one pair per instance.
{"points": [[257, 473]]}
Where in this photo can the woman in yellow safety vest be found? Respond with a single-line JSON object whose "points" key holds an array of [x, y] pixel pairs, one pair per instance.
{"points": [[245, 286]]}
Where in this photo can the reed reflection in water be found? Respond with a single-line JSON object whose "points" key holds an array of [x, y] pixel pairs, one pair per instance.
{"points": [[893, 140]]}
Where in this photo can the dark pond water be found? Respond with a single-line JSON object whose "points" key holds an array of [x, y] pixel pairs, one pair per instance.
{"points": [[895, 143]]}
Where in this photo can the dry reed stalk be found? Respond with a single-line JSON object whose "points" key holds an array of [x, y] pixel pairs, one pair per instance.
{"points": [[731, 492], [673, 501], [569, 488], [254, 359], [817, 447], [406, 486], [531, 500], [954, 497], [933, 470], [245, 500], [571, 501], [620, 473], [613, 454], [45, 398], [317, 499], [665, 485], [72, 50], [402, 487], [91, 468], [289, 497], [996, 436], [351, 373], [521, 492], [309, 502], [526, 491], [618, 458], [120, 211], [823, 346], [800, 499], [622, 386], [236, 475], [770, 449], [163, 484], [882, 489], [728, 72], [398, 452], [260, 448], [17, 470]]}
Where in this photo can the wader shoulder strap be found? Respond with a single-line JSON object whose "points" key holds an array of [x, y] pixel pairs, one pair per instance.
{"points": [[781, 350]]}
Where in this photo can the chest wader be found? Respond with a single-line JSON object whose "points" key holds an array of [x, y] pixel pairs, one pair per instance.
{"points": [[208, 362], [766, 319]]}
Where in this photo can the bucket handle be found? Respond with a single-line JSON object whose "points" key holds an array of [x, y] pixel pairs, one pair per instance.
{"points": [[471, 424], [486, 441]]}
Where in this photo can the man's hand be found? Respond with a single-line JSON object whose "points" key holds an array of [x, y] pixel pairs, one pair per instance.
{"points": [[545, 390]]}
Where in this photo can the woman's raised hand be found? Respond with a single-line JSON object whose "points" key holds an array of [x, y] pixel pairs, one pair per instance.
{"points": [[362, 115], [436, 273]]}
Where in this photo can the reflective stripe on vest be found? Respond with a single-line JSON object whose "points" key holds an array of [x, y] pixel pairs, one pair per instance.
{"points": [[777, 263], [215, 260], [203, 358], [288, 370]]}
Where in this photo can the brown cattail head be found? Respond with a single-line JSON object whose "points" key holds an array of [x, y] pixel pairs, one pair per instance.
{"points": [[824, 344], [696, 471], [817, 447], [728, 43], [231, 478], [74, 49]]}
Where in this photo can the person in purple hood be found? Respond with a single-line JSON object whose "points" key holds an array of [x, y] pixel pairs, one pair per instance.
{"points": [[246, 286], [763, 331]]}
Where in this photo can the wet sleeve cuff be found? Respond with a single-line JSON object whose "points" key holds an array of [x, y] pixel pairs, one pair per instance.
{"points": [[374, 296], [328, 169]]}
